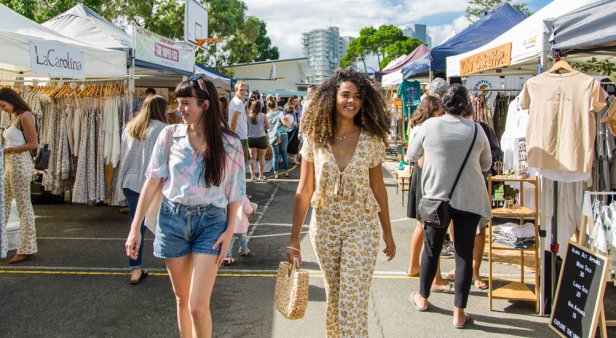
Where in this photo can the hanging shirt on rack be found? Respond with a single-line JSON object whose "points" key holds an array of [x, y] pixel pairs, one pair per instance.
{"points": [[410, 93], [561, 131]]}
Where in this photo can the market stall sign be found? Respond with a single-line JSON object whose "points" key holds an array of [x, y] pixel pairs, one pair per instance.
{"points": [[153, 48], [579, 296], [492, 58], [55, 60]]}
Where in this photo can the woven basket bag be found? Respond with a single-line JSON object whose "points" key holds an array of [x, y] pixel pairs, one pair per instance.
{"points": [[291, 294]]}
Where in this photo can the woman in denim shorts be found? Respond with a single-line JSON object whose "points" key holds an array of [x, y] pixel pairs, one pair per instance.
{"points": [[197, 216]]}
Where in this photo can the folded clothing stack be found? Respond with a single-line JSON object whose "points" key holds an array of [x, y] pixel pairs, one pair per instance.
{"points": [[514, 235]]}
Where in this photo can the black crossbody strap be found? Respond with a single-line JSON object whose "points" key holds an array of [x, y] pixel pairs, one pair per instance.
{"points": [[468, 153]]}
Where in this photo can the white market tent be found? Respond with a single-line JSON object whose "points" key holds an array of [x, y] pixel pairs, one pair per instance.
{"points": [[89, 27], [529, 39], [16, 33]]}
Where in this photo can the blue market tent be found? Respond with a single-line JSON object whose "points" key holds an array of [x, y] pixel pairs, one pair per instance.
{"points": [[490, 26], [221, 81]]}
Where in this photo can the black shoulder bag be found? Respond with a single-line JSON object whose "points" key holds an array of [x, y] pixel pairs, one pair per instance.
{"points": [[40, 156], [434, 212]]}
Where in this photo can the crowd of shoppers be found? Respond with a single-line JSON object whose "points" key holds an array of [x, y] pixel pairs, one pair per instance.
{"points": [[344, 125]]}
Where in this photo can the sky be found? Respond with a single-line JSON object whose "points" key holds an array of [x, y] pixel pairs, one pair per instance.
{"points": [[286, 20]]}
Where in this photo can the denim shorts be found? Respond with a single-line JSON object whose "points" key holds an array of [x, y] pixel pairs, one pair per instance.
{"points": [[184, 229]]}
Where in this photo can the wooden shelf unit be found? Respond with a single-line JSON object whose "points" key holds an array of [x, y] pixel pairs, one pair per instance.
{"points": [[517, 290]]}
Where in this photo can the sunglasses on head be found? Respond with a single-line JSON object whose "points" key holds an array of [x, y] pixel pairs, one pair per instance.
{"points": [[201, 81]]}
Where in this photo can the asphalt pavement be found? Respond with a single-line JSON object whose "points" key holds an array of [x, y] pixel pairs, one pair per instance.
{"points": [[77, 285]]}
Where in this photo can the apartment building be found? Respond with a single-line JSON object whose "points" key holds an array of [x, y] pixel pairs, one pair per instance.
{"points": [[324, 48]]}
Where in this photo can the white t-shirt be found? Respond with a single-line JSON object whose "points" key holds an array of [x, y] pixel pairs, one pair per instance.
{"points": [[242, 122]]}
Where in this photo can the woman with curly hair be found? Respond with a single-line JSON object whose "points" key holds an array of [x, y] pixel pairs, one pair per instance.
{"points": [[345, 131]]}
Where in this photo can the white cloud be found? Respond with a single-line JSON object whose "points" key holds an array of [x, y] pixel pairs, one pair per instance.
{"points": [[439, 33], [287, 20]]}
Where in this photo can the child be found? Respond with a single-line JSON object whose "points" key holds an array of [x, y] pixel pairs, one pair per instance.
{"points": [[245, 210]]}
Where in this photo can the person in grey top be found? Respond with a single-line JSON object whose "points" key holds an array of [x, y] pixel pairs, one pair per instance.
{"points": [[258, 124], [444, 142], [138, 140]]}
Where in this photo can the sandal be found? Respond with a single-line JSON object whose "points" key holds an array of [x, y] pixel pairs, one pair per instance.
{"points": [[480, 284], [467, 320], [143, 275], [286, 174], [451, 276], [449, 288], [412, 299], [228, 261], [245, 253]]}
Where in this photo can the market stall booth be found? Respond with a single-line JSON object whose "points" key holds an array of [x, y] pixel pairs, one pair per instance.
{"points": [[392, 75], [485, 29], [73, 89], [556, 142]]}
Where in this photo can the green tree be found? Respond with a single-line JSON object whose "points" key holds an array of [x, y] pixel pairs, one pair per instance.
{"points": [[399, 48], [41, 11], [387, 43], [245, 38], [476, 8]]}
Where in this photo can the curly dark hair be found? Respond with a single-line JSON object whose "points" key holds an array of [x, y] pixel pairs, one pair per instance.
{"points": [[319, 120], [456, 100]]}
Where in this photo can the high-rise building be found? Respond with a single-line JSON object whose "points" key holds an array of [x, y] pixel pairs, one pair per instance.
{"points": [[324, 48], [418, 31]]}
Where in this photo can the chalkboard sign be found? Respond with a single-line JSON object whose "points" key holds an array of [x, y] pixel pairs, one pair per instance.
{"points": [[579, 296]]}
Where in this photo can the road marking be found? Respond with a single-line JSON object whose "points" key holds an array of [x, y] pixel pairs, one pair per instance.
{"points": [[80, 271], [275, 235], [88, 238]]}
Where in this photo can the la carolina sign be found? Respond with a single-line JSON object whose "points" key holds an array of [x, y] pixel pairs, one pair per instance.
{"points": [[492, 58], [56, 61]]}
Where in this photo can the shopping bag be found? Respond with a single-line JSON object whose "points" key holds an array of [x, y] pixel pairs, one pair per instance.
{"points": [[291, 294]]}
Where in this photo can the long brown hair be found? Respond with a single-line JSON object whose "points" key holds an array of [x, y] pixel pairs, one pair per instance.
{"points": [[214, 128], [426, 109], [154, 107], [255, 110], [11, 96], [319, 121]]}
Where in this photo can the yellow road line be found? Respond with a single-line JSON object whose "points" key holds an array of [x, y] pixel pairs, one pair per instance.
{"points": [[111, 273]]}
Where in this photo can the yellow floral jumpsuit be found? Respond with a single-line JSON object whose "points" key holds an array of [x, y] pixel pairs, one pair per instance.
{"points": [[345, 232]]}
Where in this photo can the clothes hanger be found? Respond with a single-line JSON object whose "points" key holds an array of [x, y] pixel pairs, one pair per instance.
{"points": [[561, 65]]}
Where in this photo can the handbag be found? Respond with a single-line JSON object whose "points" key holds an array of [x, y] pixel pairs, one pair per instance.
{"points": [[291, 293], [435, 212], [269, 152], [41, 161], [39, 156]]}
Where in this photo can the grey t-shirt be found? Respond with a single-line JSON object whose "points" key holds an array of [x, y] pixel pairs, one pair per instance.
{"points": [[256, 130], [135, 156], [444, 142]]}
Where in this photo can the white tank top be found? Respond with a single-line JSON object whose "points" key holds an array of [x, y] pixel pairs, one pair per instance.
{"points": [[13, 137]]}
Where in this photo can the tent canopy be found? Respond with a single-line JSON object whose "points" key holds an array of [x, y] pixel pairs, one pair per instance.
{"points": [[589, 29], [528, 38], [393, 77], [87, 26], [485, 29], [83, 24], [220, 81], [16, 33]]}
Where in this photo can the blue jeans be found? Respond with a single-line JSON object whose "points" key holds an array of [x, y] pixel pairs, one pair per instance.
{"points": [[243, 244], [132, 198], [280, 150]]}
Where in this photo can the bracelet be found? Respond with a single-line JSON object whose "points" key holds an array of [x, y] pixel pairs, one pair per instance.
{"points": [[292, 248]]}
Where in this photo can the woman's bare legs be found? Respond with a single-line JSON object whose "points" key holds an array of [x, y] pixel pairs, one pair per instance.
{"points": [[261, 157], [192, 278]]}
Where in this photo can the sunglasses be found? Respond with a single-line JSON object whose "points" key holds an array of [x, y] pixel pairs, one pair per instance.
{"points": [[201, 82]]}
